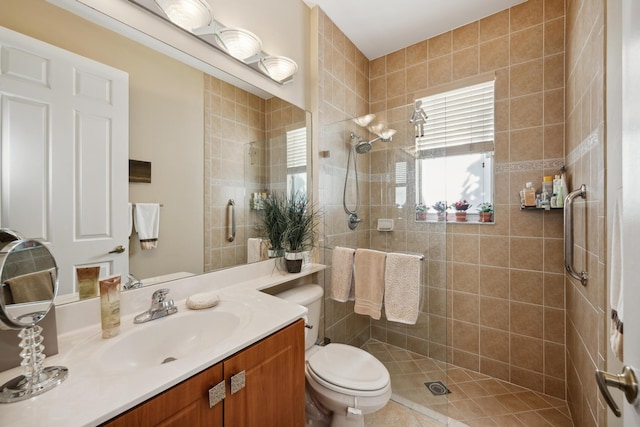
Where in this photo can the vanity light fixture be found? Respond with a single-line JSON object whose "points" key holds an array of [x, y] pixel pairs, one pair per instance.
{"points": [[386, 134], [279, 68], [383, 132], [239, 43], [186, 14], [195, 17], [364, 121]]}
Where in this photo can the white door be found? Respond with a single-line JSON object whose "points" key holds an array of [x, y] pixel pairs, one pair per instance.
{"points": [[64, 148], [631, 188]]}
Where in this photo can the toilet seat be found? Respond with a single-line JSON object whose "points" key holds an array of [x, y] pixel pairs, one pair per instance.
{"points": [[349, 370]]}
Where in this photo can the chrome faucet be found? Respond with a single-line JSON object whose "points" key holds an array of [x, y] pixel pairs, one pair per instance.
{"points": [[132, 282], [160, 307]]}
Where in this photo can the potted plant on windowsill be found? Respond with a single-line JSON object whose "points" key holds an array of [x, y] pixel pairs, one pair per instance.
{"points": [[274, 224], [300, 233], [461, 210], [441, 209], [485, 211], [421, 212]]}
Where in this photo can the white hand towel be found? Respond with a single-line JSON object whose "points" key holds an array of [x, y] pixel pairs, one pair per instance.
{"points": [[342, 274], [616, 285], [368, 273], [402, 288], [130, 219], [147, 222]]}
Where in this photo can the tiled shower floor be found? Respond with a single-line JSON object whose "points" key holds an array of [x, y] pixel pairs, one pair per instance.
{"points": [[475, 399]]}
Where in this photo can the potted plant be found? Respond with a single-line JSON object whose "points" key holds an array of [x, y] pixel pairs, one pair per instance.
{"points": [[274, 224], [300, 232], [461, 210], [441, 209], [421, 212], [485, 211]]}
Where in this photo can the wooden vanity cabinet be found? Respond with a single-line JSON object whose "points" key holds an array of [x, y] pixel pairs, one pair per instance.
{"points": [[274, 377], [268, 390]]}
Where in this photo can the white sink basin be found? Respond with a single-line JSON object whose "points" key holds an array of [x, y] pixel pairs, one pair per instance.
{"points": [[174, 337]]}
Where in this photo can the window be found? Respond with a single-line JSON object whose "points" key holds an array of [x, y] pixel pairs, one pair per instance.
{"points": [[297, 161], [454, 158]]}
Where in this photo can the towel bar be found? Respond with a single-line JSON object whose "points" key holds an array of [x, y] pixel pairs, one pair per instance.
{"points": [[568, 234], [421, 256]]}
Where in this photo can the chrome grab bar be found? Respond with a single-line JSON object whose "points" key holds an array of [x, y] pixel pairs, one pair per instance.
{"points": [[568, 234], [231, 216]]}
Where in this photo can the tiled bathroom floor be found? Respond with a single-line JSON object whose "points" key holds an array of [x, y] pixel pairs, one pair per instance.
{"points": [[476, 400]]}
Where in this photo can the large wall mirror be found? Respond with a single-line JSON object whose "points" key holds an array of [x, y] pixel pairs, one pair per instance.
{"points": [[207, 140]]}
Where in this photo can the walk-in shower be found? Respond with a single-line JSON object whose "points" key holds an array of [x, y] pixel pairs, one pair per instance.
{"points": [[362, 146]]}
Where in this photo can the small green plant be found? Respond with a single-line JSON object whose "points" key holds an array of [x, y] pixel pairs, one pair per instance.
{"points": [[420, 207], [485, 207], [274, 221], [301, 223]]}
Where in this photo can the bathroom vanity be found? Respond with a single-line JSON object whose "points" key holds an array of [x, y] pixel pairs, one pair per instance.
{"points": [[270, 390], [122, 380]]}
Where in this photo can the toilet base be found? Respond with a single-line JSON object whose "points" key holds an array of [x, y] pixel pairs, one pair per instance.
{"points": [[342, 420], [338, 404]]}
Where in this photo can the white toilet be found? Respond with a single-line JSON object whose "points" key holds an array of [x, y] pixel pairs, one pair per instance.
{"points": [[344, 379]]}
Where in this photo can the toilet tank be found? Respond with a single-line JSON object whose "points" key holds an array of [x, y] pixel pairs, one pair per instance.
{"points": [[309, 296]]}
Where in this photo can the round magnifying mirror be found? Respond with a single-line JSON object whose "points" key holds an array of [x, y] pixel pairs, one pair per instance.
{"points": [[29, 283]]}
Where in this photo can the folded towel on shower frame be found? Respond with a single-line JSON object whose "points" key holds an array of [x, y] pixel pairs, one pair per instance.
{"points": [[368, 276], [341, 288], [402, 288]]}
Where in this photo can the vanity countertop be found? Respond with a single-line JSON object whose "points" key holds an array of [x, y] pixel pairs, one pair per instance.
{"points": [[92, 395]]}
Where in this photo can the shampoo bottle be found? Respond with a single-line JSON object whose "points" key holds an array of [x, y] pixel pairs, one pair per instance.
{"points": [[529, 195], [564, 187], [560, 190]]}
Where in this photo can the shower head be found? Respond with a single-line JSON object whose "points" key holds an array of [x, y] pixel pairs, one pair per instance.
{"points": [[363, 147]]}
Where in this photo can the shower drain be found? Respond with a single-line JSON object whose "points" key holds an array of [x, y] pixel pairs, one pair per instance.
{"points": [[437, 388]]}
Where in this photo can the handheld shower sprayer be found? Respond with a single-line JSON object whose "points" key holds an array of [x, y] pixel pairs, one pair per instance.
{"points": [[360, 147]]}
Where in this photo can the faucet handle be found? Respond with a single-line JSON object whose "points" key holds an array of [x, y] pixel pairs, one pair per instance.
{"points": [[159, 295]]}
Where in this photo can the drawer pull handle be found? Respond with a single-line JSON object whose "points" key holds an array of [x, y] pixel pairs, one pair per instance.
{"points": [[237, 382], [217, 394]]}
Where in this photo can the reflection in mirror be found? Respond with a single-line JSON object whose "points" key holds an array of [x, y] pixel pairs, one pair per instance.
{"points": [[29, 283], [177, 113]]}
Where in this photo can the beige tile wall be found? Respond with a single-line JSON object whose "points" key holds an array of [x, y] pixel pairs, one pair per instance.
{"points": [[281, 117], [586, 306], [493, 295], [503, 298], [233, 118], [344, 85], [245, 152]]}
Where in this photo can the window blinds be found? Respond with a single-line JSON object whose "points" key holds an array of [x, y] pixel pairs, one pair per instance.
{"points": [[296, 148], [463, 116]]}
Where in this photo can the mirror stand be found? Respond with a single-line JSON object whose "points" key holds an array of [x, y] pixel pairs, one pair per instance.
{"points": [[35, 379], [28, 286]]}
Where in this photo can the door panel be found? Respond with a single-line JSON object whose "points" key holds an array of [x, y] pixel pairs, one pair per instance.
{"points": [[65, 118], [27, 121], [630, 186]]}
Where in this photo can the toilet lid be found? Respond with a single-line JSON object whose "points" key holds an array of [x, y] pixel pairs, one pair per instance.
{"points": [[349, 367]]}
